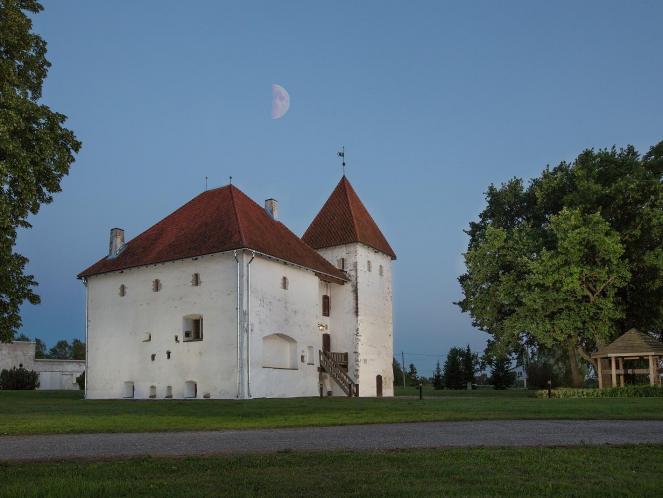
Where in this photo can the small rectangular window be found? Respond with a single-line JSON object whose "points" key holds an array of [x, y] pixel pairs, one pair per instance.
{"points": [[156, 285], [193, 328], [341, 263], [195, 280], [326, 305], [310, 355], [153, 392], [381, 270], [284, 283], [369, 266], [123, 290]]}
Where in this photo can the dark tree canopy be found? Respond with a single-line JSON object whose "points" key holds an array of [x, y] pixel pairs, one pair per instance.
{"points": [[36, 151], [572, 260]]}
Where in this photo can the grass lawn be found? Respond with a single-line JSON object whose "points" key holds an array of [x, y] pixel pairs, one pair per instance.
{"points": [[28, 412], [582, 471]]}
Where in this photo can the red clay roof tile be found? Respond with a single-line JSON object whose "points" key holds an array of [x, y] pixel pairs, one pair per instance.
{"points": [[215, 221], [343, 220]]}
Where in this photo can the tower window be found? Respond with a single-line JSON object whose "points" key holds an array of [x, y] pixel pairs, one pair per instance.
{"points": [[369, 265], [381, 270], [123, 290], [156, 285], [195, 280], [284, 283], [341, 263], [193, 328], [326, 305], [168, 355]]}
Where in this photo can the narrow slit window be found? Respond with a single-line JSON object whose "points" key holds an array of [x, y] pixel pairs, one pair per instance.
{"points": [[195, 280], [381, 270], [284, 283], [369, 265], [326, 305], [123, 290], [341, 263], [156, 285]]}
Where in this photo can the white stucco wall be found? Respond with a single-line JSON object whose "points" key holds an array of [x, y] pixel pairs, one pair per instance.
{"points": [[53, 374], [361, 318], [119, 326], [15, 354]]}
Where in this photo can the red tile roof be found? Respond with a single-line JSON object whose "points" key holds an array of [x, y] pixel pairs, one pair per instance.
{"points": [[215, 221], [344, 220]]}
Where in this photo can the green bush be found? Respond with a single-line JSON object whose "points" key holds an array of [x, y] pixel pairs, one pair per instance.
{"points": [[642, 391], [80, 380], [19, 378]]}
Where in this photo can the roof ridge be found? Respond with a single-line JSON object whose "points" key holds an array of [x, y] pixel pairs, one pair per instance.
{"points": [[242, 238], [345, 183]]}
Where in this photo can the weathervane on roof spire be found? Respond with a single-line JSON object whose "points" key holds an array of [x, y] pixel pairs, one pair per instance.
{"points": [[341, 154], [206, 184]]}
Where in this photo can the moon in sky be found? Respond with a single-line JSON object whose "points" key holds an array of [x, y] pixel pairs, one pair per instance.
{"points": [[280, 101]]}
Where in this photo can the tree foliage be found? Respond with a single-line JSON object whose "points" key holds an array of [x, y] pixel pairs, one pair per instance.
{"points": [[397, 369], [36, 151], [502, 376], [438, 378], [572, 260], [460, 367]]}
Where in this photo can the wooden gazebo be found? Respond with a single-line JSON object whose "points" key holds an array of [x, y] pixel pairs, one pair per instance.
{"points": [[633, 345]]}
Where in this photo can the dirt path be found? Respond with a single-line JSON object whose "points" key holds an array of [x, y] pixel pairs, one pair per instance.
{"points": [[352, 437]]}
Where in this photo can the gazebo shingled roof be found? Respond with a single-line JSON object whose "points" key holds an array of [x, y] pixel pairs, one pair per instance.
{"points": [[632, 342]]}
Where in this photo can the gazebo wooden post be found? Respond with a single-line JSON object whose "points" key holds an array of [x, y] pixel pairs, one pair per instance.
{"points": [[652, 378], [599, 371], [613, 365], [621, 376]]}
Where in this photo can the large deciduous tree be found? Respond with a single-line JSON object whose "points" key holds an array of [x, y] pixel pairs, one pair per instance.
{"points": [[572, 260], [36, 151]]}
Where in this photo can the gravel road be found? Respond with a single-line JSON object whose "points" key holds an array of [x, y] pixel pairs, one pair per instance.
{"points": [[349, 437]]}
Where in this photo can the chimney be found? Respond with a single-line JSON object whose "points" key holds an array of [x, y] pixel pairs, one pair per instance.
{"points": [[116, 242], [272, 208]]}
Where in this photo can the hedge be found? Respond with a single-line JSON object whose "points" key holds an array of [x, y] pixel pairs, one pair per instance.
{"points": [[642, 391]]}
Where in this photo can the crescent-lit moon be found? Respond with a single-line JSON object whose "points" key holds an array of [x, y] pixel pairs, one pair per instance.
{"points": [[280, 101]]}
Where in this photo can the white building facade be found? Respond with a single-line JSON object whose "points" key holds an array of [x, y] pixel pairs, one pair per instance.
{"points": [[221, 300]]}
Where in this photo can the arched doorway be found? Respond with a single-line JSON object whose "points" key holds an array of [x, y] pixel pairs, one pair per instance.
{"points": [[378, 386]]}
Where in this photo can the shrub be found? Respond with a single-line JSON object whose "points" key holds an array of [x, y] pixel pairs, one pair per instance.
{"points": [[80, 380], [642, 391], [19, 378]]}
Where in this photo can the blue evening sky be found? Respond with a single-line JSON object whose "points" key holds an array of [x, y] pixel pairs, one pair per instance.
{"points": [[432, 100]]}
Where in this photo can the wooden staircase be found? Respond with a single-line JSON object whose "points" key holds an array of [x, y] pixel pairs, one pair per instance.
{"points": [[332, 363]]}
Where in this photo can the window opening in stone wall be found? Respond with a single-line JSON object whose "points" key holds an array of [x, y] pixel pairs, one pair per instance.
{"points": [[326, 305], [193, 328], [190, 389], [156, 285], [123, 290], [284, 283], [195, 280], [128, 389]]}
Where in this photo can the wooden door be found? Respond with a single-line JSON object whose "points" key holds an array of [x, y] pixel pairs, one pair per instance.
{"points": [[378, 386], [326, 343]]}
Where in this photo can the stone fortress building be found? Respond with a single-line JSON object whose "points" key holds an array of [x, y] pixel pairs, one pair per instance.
{"points": [[221, 300]]}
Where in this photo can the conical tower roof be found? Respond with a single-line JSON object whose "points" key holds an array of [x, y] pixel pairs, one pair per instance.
{"points": [[344, 220]]}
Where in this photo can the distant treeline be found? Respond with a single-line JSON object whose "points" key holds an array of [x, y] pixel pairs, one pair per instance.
{"points": [[62, 350]]}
